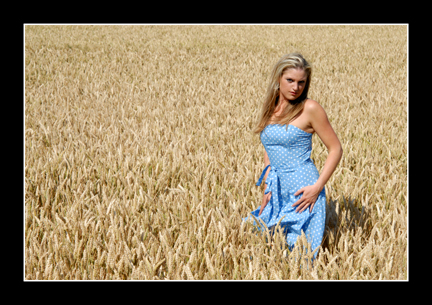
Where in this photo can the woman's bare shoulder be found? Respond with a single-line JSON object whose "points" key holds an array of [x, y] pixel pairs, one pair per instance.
{"points": [[311, 104], [313, 108]]}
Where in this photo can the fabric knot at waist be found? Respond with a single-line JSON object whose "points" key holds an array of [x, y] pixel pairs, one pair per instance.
{"points": [[273, 177], [276, 202]]}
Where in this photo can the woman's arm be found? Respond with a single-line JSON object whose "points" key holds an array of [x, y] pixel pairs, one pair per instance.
{"points": [[321, 125], [324, 130]]}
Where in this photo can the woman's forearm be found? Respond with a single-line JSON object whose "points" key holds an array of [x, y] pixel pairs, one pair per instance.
{"points": [[330, 164]]}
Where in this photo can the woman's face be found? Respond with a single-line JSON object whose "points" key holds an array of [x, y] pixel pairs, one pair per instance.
{"points": [[292, 83]]}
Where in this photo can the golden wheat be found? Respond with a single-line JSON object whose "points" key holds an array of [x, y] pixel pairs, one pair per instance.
{"points": [[140, 161]]}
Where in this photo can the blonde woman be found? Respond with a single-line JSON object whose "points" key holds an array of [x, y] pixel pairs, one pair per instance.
{"points": [[295, 190]]}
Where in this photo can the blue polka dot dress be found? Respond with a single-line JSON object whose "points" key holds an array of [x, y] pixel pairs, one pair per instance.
{"points": [[291, 168]]}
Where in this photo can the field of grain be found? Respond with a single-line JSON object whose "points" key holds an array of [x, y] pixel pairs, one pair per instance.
{"points": [[140, 159]]}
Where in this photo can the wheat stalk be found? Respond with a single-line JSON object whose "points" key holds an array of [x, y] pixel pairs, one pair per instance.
{"points": [[140, 161]]}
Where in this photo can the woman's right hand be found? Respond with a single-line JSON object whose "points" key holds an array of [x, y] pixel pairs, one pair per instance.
{"points": [[266, 199]]}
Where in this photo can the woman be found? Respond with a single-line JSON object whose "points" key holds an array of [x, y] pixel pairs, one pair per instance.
{"points": [[295, 193]]}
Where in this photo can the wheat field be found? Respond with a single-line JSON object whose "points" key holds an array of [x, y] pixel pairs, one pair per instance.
{"points": [[140, 160]]}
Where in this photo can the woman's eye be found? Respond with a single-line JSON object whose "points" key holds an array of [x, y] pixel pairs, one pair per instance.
{"points": [[300, 82]]}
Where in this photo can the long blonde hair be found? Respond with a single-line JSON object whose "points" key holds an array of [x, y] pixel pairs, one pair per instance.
{"points": [[288, 61]]}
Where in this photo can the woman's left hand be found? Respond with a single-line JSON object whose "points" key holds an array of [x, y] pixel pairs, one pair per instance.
{"points": [[310, 195]]}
